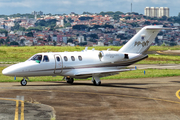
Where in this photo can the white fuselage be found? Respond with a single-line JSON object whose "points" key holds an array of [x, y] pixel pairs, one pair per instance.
{"points": [[87, 62]]}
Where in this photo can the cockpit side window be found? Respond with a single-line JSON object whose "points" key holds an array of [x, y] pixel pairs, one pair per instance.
{"points": [[45, 59], [36, 58]]}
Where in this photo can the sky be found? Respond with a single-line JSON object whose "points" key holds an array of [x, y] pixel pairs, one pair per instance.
{"points": [[8, 7]]}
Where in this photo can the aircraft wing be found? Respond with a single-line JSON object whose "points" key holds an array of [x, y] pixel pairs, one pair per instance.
{"points": [[101, 73]]}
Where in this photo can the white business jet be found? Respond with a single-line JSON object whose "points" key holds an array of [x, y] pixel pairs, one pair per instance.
{"points": [[86, 63]]}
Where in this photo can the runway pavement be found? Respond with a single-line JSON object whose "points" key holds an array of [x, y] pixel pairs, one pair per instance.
{"points": [[146, 99]]}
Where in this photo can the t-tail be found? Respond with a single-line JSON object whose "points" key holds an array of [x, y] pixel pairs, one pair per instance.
{"points": [[141, 42]]}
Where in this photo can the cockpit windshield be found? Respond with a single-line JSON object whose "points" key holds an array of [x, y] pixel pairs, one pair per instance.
{"points": [[36, 58]]}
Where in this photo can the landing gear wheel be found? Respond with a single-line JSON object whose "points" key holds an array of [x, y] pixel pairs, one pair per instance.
{"points": [[94, 82], [70, 80], [97, 84], [23, 82]]}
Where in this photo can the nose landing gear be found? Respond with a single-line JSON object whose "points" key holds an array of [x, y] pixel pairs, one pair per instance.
{"points": [[24, 81]]}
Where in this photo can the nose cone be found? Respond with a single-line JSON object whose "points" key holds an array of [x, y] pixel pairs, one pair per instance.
{"points": [[10, 71], [6, 72]]}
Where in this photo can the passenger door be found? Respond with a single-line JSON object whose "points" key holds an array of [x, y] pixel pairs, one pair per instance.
{"points": [[58, 64]]}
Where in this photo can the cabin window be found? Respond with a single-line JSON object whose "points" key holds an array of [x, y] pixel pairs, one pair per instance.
{"points": [[45, 59], [58, 59], [80, 58], [65, 58], [72, 58], [36, 58]]}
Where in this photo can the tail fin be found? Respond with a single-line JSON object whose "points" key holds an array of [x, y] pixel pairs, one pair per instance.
{"points": [[142, 40]]}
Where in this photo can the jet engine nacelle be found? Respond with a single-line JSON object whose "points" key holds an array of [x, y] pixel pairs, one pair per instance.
{"points": [[114, 56]]}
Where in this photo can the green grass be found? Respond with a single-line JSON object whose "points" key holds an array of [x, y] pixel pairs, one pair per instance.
{"points": [[20, 54], [123, 75], [160, 59], [161, 48]]}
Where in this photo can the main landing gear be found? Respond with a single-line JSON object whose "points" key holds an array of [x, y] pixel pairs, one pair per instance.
{"points": [[24, 81], [96, 80], [69, 80]]}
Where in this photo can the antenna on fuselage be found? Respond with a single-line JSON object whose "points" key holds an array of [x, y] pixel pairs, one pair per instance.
{"points": [[108, 49], [86, 49]]}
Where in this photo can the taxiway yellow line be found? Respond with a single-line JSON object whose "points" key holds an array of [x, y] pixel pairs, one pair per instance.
{"points": [[22, 110], [17, 105], [177, 94], [16, 110]]}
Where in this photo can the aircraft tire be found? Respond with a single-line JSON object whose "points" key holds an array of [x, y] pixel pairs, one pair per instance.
{"points": [[70, 80], [23, 82], [97, 84]]}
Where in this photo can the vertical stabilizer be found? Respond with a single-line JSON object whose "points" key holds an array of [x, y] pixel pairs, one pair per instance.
{"points": [[142, 40]]}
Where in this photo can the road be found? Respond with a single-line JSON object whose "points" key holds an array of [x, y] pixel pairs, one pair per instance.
{"points": [[146, 99]]}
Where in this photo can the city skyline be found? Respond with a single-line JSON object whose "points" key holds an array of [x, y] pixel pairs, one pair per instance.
{"points": [[95, 6]]}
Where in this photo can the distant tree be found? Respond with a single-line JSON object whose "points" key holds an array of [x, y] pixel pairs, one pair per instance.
{"points": [[127, 17], [160, 33], [155, 23], [108, 26], [93, 40], [49, 38], [172, 43], [7, 40], [147, 23], [116, 17], [16, 26], [22, 41], [54, 43], [94, 36], [96, 26], [38, 28], [2, 41], [22, 29], [88, 13], [156, 40], [48, 23], [14, 43], [118, 13], [70, 40], [85, 18], [80, 27], [83, 43], [29, 34], [163, 18], [121, 36], [67, 25], [4, 31], [134, 24]]}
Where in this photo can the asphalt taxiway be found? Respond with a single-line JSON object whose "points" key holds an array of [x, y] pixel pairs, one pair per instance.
{"points": [[147, 98]]}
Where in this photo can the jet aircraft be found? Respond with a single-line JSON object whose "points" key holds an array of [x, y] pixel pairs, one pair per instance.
{"points": [[87, 63]]}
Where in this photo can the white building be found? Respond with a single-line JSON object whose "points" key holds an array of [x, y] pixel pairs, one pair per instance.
{"points": [[156, 12], [81, 39]]}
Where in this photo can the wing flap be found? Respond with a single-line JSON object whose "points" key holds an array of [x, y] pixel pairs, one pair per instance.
{"points": [[101, 72]]}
